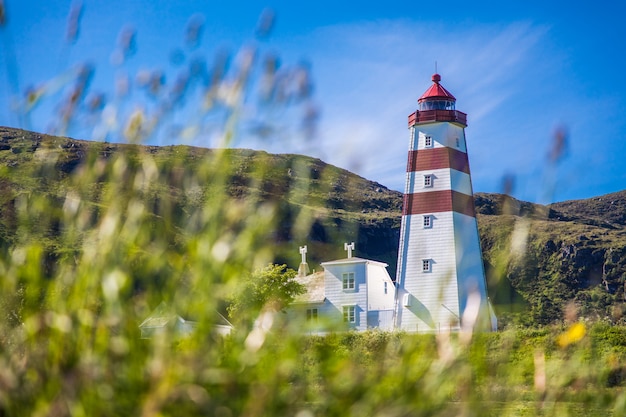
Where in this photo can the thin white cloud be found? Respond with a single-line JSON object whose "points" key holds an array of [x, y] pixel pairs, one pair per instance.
{"points": [[371, 74]]}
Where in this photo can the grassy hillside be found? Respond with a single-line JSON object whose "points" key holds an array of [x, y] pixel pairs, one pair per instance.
{"points": [[540, 260], [317, 204], [550, 259]]}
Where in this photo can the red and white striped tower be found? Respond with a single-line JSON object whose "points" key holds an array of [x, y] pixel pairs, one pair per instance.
{"points": [[440, 280]]}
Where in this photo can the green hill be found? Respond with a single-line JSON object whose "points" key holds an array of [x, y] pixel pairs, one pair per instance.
{"points": [[565, 255], [539, 259], [316, 204]]}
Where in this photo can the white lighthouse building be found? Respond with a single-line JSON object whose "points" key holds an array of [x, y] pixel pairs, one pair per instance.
{"points": [[440, 280]]}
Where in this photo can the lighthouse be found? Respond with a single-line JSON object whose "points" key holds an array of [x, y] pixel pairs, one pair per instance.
{"points": [[440, 279]]}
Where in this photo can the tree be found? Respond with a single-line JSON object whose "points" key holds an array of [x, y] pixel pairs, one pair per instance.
{"points": [[272, 286]]}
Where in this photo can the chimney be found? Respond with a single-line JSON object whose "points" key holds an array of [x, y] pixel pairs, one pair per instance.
{"points": [[349, 248], [303, 269]]}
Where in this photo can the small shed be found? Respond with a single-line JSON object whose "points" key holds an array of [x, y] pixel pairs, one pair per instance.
{"points": [[164, 319]]}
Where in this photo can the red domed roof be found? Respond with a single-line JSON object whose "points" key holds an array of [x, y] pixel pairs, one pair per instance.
{"points": [[436, 91]]}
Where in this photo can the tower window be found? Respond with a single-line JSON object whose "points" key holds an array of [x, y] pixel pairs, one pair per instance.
{"points": [[458, 144], [385, 285], [426, 265], [428, 180], [428, 141], [349, 314], [348, 280], [427, 222]]}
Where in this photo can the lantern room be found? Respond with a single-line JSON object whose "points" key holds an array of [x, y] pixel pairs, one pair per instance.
{"points": [[437, 105], [436, 97]]}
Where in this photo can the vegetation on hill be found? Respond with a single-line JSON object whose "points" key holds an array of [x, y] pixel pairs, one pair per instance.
{"points": [[336, 204], [566, 255], [547, 260]]}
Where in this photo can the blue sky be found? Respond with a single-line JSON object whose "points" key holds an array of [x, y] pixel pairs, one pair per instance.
{"points": [[520, 70]]}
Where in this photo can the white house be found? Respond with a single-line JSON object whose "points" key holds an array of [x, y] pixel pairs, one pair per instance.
{"points": [[350, 293]]}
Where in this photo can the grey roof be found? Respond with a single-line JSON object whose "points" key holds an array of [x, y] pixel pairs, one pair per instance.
{"points": [[314, 284], [352, 260], [159, 317], [163, 314]]}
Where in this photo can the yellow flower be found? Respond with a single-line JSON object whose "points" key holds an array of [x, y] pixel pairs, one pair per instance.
{"points": [[575, 333]]}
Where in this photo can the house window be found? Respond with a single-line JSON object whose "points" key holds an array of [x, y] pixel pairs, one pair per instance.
{"points": [[385, 285], [457, 143], [428, 222], [428, 180], [428, 141], [426, 265], [349, 314], [311, 314], [348, 280]]}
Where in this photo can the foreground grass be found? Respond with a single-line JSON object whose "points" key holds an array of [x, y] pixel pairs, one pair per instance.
{"points": [[511, 373]]}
